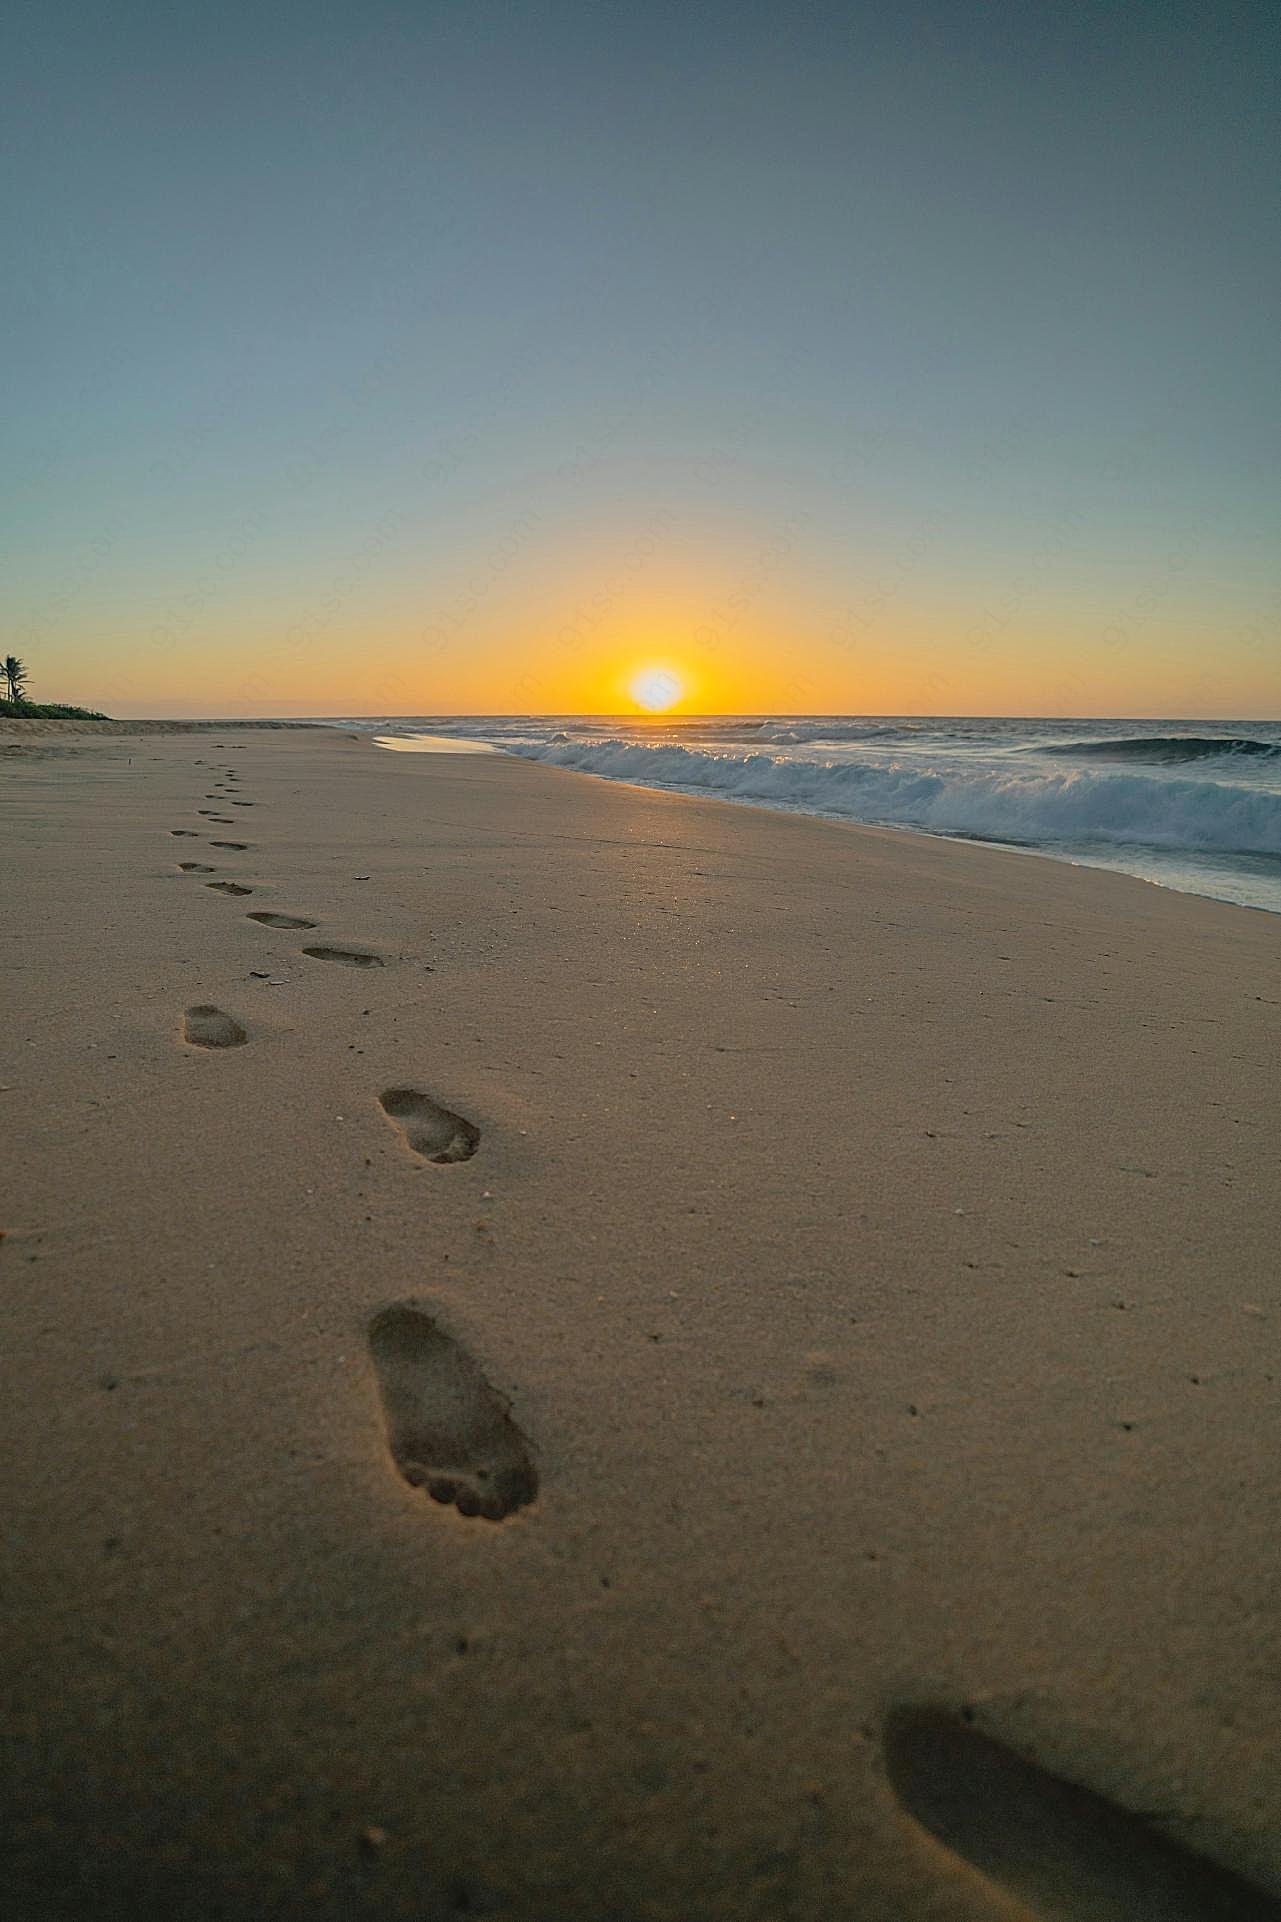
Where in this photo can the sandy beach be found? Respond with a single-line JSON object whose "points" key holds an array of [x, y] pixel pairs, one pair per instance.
{"points": [[843, 1264]]}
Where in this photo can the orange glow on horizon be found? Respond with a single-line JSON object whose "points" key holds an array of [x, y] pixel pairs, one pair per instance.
{"points": [[548, 655]]}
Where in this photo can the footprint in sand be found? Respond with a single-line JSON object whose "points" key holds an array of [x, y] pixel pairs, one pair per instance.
{"points": [[244, 804], [207, 1027], [1062, 1850], [345, 957], [281, 920], [228, 887], [447, 1429], [185, 834], [196, 867], [435, 1133], [209, 813], [237, 847]]}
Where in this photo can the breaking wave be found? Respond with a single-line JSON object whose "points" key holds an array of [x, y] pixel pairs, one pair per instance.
{"points": [[1027, 808]]}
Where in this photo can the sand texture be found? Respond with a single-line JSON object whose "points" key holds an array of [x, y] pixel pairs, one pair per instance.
{"points": [[582, 1355]]}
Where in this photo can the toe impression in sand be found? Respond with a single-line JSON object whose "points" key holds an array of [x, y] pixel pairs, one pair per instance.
{"points": [[1067, 1853], [432, 1131], [448, 1430], [209, 1027]]}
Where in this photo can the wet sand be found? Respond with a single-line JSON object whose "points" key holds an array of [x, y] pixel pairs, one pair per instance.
{"points": [[573, 1352]]}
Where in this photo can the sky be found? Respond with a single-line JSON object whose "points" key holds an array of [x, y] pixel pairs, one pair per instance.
{"points": [[478, 358]]}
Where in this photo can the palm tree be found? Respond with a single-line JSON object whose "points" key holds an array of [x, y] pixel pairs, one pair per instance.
{"points": [[16, 674]]}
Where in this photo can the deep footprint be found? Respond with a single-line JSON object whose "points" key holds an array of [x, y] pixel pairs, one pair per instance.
{"points": [[185, 834], [447, 1429], [435, 1133], [238, 847], [196, 867], [281, 921], [207, 1027], [1064, 1851], [228, 887], [346, 957]]}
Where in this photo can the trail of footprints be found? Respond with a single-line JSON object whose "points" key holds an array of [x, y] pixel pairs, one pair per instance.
{"points": [[448, 1429], [1064, 1852]]}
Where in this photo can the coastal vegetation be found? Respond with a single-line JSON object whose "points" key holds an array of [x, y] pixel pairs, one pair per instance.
{"points": [[47, 711], [15, 706]]}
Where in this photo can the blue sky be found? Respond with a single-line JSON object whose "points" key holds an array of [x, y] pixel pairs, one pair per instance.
{"points": [[311, 307]]}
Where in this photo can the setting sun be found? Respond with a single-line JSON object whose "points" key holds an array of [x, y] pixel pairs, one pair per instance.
{"points": [[657, 689]]}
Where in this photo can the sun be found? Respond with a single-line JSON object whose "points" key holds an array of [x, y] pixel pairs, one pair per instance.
{"points": [[656, 689]]}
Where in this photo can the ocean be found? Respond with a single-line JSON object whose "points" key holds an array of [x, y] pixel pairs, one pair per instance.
{"points": [[1192, 805]]}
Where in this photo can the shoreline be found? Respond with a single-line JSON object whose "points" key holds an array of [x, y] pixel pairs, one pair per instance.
{"points": [[872, 1249], [757, 774], [13, 739], [1029, 849]]}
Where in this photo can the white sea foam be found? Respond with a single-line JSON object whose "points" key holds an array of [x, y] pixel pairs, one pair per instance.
{"points": [[1034, 808]]}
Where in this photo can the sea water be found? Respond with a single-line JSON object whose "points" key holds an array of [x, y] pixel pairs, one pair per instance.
{"points": [[1193, 805]]}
